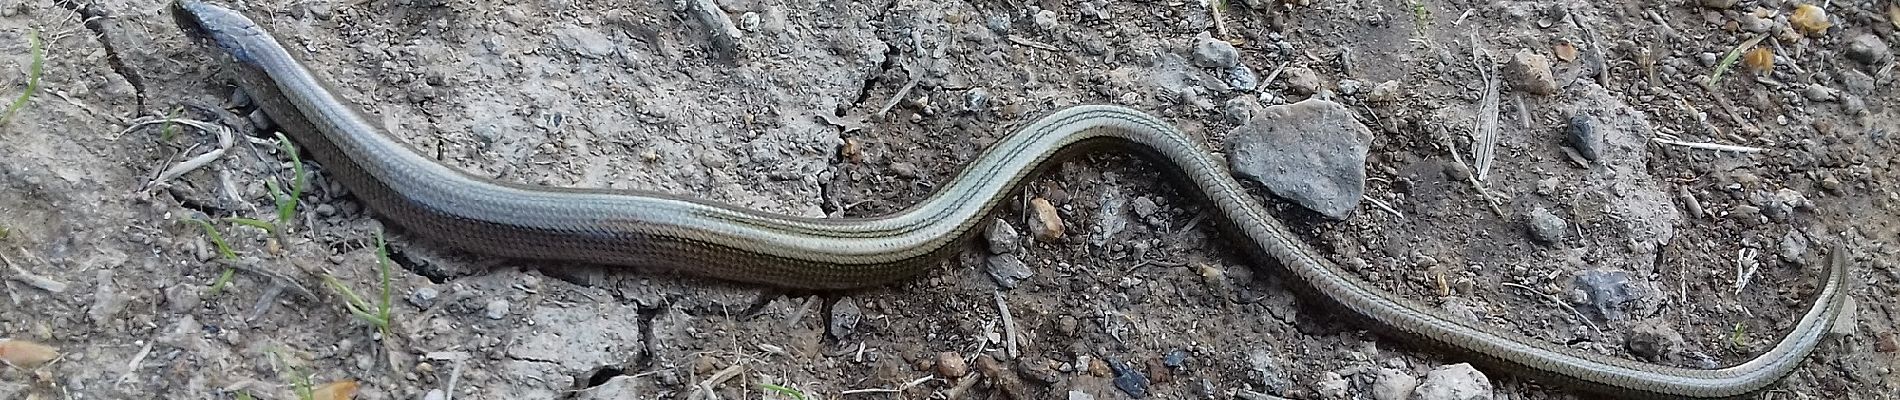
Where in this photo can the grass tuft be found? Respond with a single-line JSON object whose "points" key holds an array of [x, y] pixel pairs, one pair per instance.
{"points": [[165, 132], [794, 393], [32, 76], [379, 313]]}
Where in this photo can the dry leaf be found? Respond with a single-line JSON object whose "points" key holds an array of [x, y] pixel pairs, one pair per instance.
{"points": [[339, 390], [1809, 19], [26, 354], [1759, 59], [1566, 52]]}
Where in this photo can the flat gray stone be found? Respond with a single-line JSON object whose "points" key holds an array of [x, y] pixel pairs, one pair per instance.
{"points": [[1312, 152], [1453, 382], [580, 339]]}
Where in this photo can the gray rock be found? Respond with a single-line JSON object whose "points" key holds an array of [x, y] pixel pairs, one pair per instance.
{"points": [[1301, 80], [1605, 292], [1848, 321], [1176, 358], [1144, 207], [1080, 395], [423, 297], [1215, 53], [1046, 20], [1857, 82], [1530, 72], [1312, 153], [1868, 49], [1653, 340], [1264, 365], [1384, 92], [496, 309], [1719, 4], [1392, 384], [1129, 380], [1547, 227], [435, 394], [1794, 247], [976, 100], [586, 42], [1329, 385], [1008, 270], [1003, 238], [1242, 78], [579, 339], [1584, 137], [1820, 93], [1113, 218], [1453, 382], [844, 318]]}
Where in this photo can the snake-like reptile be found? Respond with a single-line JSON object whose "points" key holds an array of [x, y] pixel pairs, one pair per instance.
{"points": [[451, 207]]}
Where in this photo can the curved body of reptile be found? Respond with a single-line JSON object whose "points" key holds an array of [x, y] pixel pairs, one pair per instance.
{"points": [[647, 229]]}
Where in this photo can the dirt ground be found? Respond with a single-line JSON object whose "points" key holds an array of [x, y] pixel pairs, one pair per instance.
{"points": [[107, 267]]}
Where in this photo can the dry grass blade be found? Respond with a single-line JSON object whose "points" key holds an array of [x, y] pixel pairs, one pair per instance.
{"points": [[225, 139]]}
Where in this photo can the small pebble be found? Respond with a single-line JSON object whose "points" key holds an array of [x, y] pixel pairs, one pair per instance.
{"points": [[1530, 72], [1819, 93], [1175, 359], [1215, 53], [1453, 382], [1585, 138], [1392, 384], [425, 297], [1652, 339], [950, 365], [1129, 380], [844, 318], [435, 394], [1002, 237], [1300, 80], [1080, 395], [1331, 386], [1547, 227], [1008, 270], [1384, 92], [1044, 223], [496, 309], [1046, 20], [1144, 207], [1868, 49]]}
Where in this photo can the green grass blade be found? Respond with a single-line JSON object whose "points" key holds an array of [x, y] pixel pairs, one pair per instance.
{"points": [[223, 279], [166, 131], [1728, 61], [32, 76], [795, 393], [217, 239]]}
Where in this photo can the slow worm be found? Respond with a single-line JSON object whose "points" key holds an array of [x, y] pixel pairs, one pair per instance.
{"points": [[654, 230]]}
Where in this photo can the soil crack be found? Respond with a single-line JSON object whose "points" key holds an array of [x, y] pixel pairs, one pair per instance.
{"points": [[104, 27]]}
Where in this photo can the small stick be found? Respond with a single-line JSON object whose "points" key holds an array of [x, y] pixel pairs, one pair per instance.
{"points": [[1213, 7], [1710, 146], [44, 283], [1009, 325], [704, 389], [1387, 207], [1559, 303]]}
